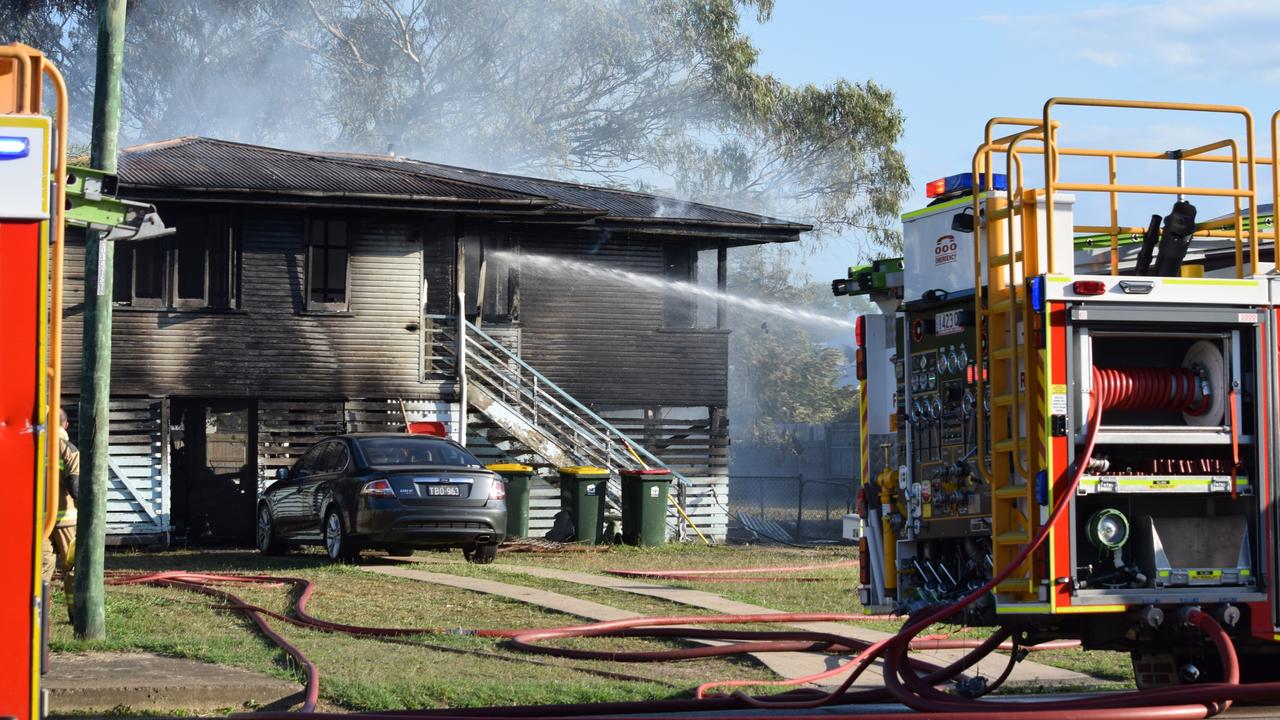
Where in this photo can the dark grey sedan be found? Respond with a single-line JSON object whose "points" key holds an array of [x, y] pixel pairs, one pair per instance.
{"points": [[384, 490]]}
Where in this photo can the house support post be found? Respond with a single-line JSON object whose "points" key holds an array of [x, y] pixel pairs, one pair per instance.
{"points": [[460, 282], [88, 615], [722, 284]]}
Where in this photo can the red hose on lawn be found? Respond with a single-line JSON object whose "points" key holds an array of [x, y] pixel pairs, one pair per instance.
{"points": [[901, 679]]}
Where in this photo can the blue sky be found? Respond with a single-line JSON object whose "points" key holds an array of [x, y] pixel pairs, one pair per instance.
{"points": [[930, 53]]}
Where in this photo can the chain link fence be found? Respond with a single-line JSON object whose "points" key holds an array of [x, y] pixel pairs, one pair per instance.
{"points": [[807, 510]]}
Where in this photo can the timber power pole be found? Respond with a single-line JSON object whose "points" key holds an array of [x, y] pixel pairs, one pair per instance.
{"points": [[88, 615]]}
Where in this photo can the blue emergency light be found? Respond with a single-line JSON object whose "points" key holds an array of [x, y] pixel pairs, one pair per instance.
{"points": [[14, 148], [961, 184]]}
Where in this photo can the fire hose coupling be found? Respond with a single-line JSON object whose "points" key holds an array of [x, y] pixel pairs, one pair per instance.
{"points": [[1187, 614], [1150, 617], [1227, 615]]}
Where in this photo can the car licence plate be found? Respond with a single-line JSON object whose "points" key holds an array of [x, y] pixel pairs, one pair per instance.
{"points": [[451, 490]]}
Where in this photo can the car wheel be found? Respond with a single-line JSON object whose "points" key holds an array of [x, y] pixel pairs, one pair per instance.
{"points": [[400, 552], [337, 545], [481, 554], [268, 542]]}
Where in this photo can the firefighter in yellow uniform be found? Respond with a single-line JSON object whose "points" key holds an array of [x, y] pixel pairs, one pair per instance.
{"points": [[60, 547]]}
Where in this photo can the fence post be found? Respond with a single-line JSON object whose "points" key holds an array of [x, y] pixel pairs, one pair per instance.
{"points": [[799, 507]]}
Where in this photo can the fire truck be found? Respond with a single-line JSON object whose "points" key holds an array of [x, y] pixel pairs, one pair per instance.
{"points": [[1081, 409]]}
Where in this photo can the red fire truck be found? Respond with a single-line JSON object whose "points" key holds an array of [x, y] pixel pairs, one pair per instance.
{"points": [[1082, 412], [32, 195]]}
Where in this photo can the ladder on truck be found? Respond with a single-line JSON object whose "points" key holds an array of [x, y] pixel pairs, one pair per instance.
{"points": [[1014, 421]]}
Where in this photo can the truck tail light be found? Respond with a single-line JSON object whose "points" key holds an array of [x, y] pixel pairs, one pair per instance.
{"points": [[378, 488], [1089, 287], [497, 490]]}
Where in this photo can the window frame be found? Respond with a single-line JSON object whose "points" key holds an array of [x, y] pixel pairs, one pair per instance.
{"points": [[314, 306], [169, 252]]}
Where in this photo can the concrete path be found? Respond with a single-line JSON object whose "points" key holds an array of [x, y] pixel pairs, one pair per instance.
{"points": [[789, 665], [105, 682], [784, 664]]}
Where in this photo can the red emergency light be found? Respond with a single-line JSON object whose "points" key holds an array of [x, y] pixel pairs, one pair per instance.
{"points": [[860, 331]]}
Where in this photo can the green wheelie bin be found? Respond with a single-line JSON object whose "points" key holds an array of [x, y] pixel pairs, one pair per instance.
{"points": [[582, 492], [644, 506], [517, 478]]}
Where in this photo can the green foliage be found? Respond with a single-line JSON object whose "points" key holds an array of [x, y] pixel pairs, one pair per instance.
{"points": [[664, 92], [778, 373]]}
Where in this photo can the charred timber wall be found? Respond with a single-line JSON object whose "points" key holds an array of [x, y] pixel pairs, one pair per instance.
{"points": [[271, 346], [606, 343]]}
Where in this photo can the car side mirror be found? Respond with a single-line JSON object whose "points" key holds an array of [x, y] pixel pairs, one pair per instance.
{"points": [[282, 473]]}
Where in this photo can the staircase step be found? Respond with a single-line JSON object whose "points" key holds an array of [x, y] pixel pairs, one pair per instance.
{"points": [[1002, 260], [1016, 585], [1012, 537], [1012, 492], [1004, 446]]}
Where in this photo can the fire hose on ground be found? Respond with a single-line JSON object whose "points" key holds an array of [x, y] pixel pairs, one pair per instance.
{"points": [[903, 681]]}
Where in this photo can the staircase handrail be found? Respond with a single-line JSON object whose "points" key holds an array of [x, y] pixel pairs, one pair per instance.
{"points": [[564, 396], [575, 425]]}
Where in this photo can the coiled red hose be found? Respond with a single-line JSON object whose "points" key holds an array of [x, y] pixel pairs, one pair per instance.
{"points": [[1145, 388]]}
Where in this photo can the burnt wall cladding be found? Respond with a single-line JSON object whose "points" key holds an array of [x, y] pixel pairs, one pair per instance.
{"points": [[270, 346], [604, 342]]}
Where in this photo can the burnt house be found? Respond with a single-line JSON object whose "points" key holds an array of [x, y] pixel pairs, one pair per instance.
{"points": [[306, 294]]}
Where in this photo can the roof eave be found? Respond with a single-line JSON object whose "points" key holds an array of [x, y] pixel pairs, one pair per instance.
{"points": [[426, 200]]}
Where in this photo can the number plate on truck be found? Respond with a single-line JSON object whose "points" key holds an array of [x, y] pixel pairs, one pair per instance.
{"points": [[948, 323]]}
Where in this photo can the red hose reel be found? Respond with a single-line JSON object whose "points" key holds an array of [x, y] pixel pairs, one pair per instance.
{"points": [[1147, 388]]}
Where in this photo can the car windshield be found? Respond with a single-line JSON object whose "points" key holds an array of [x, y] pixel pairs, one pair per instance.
{"points": [[410, 450]]}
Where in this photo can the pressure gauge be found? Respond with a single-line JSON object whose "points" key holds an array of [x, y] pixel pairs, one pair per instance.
{"points": [[956, 362], [944, 362], [964, 356]]}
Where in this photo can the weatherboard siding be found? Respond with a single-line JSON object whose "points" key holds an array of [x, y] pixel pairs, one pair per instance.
{"points": [[604, 342], [270, 346]]}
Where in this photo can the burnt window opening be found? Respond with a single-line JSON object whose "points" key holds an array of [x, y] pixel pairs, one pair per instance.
{"points": [[327, 265], [196, 268], [679, 308], [492, 278]]}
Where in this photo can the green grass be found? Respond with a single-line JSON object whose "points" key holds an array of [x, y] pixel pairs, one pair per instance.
{"points": [[452, 670], [370, 674]]}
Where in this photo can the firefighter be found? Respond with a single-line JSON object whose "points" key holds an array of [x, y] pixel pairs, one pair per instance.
{"points": [[60, 547]]}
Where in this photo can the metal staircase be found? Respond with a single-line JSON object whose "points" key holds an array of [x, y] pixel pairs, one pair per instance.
{"points": [[1015, 420], [527, 417]]}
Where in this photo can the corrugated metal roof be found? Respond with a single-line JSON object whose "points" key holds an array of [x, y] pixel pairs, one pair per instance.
{"points": [[207, 164], [616, 203], [197, 163]]}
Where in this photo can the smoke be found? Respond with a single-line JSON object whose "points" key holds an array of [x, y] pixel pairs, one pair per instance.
{"points": [[575, 89]]}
